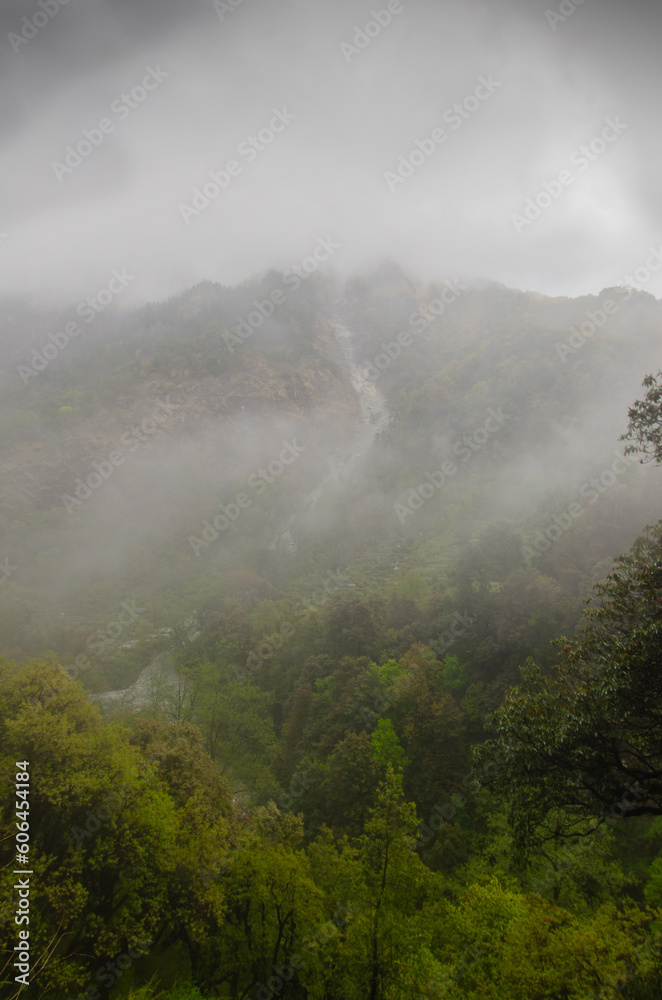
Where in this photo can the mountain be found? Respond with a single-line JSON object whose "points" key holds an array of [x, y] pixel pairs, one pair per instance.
{"points": [[494, 411], [277, 563]]}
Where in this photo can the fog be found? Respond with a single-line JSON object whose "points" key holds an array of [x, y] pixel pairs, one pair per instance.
{"points": [[330, 397], [534, 86], [349, 166]]}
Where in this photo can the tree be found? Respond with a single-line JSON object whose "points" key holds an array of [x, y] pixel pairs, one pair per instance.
{"points": [[498, 943], [345, 702], [579, 874], [432, 733], [93, 804], [342, 790], [645, 426], [127, 838], [272, 906], [301, 712], [587, 739], [235, 719], [352, 628], [386, 951], [386, 749]]}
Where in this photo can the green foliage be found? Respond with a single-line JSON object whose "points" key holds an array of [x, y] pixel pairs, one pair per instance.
{"points": [[222, 898], [452, 676], [587, 738], [503, 943], [93, 804], [386, 749], [256, 825], [341, 791], [387, 941], [653, 887], [645, 424], [389, 673]]}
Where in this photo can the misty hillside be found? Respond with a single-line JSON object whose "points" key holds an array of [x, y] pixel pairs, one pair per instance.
{"points": [[330, 500], [489, 397], [284, 582]]}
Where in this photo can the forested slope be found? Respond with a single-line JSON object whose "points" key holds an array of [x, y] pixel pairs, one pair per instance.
{"points": [[360, 766]]}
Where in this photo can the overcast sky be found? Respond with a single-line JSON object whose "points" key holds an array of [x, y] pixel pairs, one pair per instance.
{"points": [[350, 116]]}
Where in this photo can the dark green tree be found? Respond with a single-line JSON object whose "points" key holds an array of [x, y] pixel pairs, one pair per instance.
{"points": [[587, 739], [645, 427], [352, 628]]}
